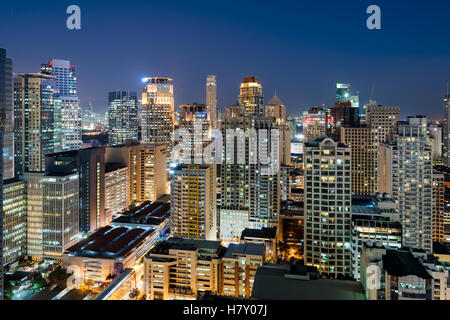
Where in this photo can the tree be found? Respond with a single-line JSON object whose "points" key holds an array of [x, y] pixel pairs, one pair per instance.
{"points": [[109, 277], [283, 247], [59, 277], [134, 293]]}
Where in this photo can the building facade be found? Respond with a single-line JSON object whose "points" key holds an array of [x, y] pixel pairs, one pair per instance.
{"points": [[122, 117], [193, 198], [328, 190], [7, 113]]}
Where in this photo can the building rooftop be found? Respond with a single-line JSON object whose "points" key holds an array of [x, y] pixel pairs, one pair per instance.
{"points": [[186, 244], [235, 250], [113, 166], [402, 263], [264, 233], [271, 283], [146, 213], [111, 242]]}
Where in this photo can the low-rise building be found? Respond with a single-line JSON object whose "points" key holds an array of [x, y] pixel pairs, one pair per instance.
{"points": [[265, 236], [240, 263]]}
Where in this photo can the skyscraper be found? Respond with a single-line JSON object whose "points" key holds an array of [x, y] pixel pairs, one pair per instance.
{"points": [[89, 163], [14, 220], [211, 99], [60, 221], [7, 114], [249, 184], [251, 97], [364, 158], [193, 202], [438, 207], [66, 85], [157, 111], [383, 120], [34, 114], [412, 181], [122, 117], [446, 131], [343, 92], [328, 206]]}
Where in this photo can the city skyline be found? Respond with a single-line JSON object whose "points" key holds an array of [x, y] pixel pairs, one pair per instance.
{"points": [[306, 58]]}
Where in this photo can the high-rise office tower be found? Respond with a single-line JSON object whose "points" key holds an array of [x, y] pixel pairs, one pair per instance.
{"points": [[328, 206], [446, 131], [60, 219], [147, 170], [14, 220], [438, 207], [343, 92], [364, 158], [193, 201], [157, 111], [7, 114], [412, 181], [66, 84], [383, 120], [122, 117], [89, 163], [211, 99], [251, 97], [34, 115]]}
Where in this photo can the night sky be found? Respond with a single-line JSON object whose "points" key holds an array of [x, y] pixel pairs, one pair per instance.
{"points": [[299, 48]]}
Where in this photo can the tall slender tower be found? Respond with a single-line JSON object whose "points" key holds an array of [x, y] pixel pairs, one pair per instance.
{"points": [[66, 91], [412, 182], [446, 131], [157, 111], [251, 97], [6, 113], [211, 99]]}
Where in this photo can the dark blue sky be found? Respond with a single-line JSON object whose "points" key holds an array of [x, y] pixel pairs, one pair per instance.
{"points": [[300, 48]]}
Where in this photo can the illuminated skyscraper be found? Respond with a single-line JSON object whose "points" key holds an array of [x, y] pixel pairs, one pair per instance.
{"points": [[193, 201], [211, 99], [251, 97], [34, 114], [190, 117], [343, 92], [157, 111], [383, 120], [412, 181], [66, 91], [328, 193], [7, 114], [446, 131], [122, 117]]}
